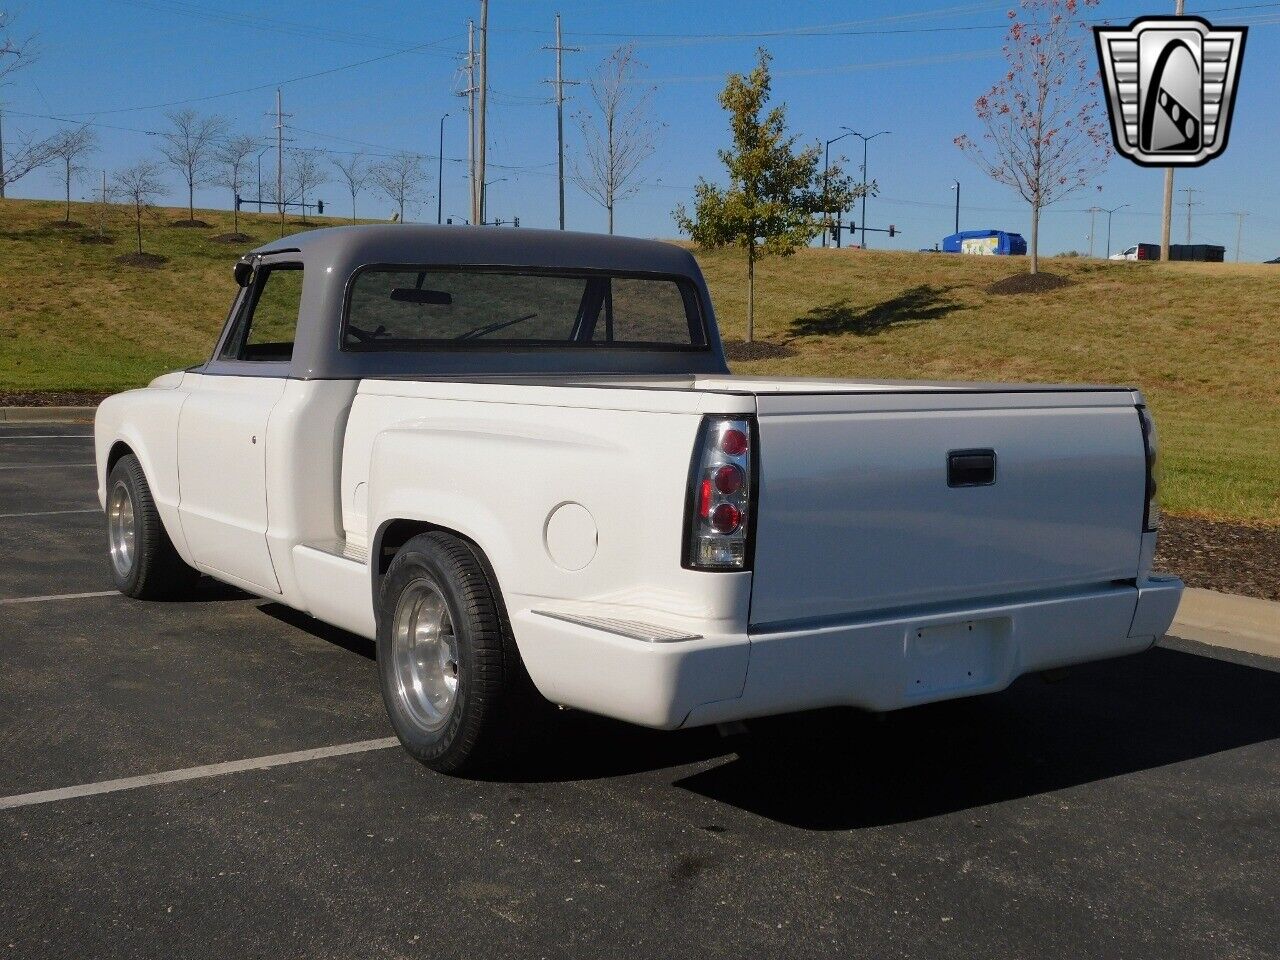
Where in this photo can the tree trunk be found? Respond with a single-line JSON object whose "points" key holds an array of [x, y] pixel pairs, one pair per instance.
{"points": [[235, 208], [138, 214], [68, 183], [751, 292], [1035, 238], [610, 219], [191, 200], [353, 206]]}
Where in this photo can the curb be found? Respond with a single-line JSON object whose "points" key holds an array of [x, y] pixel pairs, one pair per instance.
{"points": [[45, 414], [1226, 620]]}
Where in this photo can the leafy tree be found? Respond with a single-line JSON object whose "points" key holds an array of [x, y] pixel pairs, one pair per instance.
{"points": [[68, 147], [1043, 132], [775, 193], [232, 157], [189, 146], [353, 171], [139, 185], [622, 137]]}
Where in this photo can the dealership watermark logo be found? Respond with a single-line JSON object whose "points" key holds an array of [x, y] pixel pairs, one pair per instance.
{"points": [[1171, 86]]}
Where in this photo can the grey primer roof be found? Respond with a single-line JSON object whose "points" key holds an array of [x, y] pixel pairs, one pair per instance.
{"points": [[330, 256]]}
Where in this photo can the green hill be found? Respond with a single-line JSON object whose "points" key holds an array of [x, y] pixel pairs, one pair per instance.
{"points": [[1200, 340]]}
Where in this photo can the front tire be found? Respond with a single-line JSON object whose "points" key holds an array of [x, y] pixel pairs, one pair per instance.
{"points": [[144, 563], [451, 677]]}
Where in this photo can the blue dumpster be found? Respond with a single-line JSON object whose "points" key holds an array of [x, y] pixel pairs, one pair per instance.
{"points": [[989, 242]]}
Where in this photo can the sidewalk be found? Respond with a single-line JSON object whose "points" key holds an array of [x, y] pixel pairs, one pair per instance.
{"points": [[1226, 620]]}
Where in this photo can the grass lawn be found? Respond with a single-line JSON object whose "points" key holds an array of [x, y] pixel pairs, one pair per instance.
{"points": [[1200, 340]]}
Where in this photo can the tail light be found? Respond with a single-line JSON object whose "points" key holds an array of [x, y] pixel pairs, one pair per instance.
{"points": [[721, 484], [1151, 511]]}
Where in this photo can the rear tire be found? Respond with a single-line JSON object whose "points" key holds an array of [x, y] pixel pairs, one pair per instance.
{"points": [[144, 563], [452, 681]]}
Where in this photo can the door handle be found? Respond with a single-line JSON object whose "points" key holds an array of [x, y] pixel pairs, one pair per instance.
{"points": [[971, 468]]}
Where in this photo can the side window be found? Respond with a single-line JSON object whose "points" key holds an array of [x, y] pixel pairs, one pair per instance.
{"points": [[645, 311], [268, 319]]}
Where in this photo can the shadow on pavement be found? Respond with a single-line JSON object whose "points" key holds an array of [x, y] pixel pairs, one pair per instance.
{"points": [[842, 771]]}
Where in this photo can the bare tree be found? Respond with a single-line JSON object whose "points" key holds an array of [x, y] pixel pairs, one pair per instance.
{"points": [[305, 174], [232, 158], [1043, 132], [400, 178], [30, 153], [67, 148], [354, 173], [622, 137], [189, 146], [139, 185]]}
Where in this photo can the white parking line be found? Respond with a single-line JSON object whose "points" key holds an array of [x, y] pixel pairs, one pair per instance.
{"points": [[49, 436], [48, 513], [194, 773], [37, 466], [62, 596]]}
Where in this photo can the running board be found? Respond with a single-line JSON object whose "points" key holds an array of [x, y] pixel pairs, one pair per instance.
{"points": [[355, 552], [633, 629]]}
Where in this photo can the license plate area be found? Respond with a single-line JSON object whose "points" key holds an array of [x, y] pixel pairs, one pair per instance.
{"points": [[956, 656]]}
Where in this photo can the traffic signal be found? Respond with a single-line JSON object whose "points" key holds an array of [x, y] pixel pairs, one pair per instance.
{"points": [[892, 229], [320, 207]]}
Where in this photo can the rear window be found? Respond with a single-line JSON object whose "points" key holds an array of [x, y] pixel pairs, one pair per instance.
{"points": [[406, 308]]}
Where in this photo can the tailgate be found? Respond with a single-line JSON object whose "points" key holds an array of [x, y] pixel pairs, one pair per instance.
{"points": [[856, 514]]}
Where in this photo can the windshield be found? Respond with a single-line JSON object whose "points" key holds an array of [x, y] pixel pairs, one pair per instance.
{"points": [[408, 308]]}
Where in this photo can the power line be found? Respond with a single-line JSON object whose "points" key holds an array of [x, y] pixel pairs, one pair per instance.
{"points": [[266, 86]]}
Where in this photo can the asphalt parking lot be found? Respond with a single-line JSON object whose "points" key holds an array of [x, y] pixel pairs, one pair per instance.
{"points": [[1130, 810]]}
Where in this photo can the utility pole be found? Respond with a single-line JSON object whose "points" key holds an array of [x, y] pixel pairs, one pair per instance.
{"points": [[280, 159], [957, 189], [1239, 215], [560, 81], [1189, 191], [1093, 216], [470, 94], [1168, 186], [484, 93]]}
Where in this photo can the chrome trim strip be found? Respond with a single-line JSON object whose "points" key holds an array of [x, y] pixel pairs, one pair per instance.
{"points": [[632, 629]]}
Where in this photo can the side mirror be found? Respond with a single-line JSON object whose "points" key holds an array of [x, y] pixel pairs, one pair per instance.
{"points": [[243, 273]]}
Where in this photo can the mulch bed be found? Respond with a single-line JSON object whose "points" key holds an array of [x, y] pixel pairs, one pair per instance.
{"points": [[1029, 283], [53, 398], [756, 350], [150, 260], [231, 238], [189, 223], [1230, 557]]}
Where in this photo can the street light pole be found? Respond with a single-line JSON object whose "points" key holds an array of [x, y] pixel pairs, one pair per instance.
{"points": [[484, 191], [440, 177], [956, 188], [826, 166], [1109, 213], [865, 140]]}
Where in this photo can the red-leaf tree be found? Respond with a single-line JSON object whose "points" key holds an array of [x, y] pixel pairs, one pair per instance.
{"points": [[1043, 130]]}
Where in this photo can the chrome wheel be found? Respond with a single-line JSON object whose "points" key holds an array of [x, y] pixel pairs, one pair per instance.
{"points": [[120, 529], [425, 654]]}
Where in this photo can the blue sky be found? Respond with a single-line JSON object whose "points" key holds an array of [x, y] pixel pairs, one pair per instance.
{"points": [[912, 68]]}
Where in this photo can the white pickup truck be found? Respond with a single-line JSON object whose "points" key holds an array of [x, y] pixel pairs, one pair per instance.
{"points": [[518, 460]]}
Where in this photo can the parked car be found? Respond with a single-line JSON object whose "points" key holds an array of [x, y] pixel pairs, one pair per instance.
{"points": [[518, 461], [1204, 252], [988, 242]]}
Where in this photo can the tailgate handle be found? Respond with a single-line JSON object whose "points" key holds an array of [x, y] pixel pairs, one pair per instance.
{"points": [[971, 468]]}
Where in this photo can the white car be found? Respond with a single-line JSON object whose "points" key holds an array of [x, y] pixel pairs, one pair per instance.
{"points": [[518, 460]]}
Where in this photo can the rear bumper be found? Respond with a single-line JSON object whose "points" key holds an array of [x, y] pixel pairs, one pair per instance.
{"points": [[878, 664]]}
